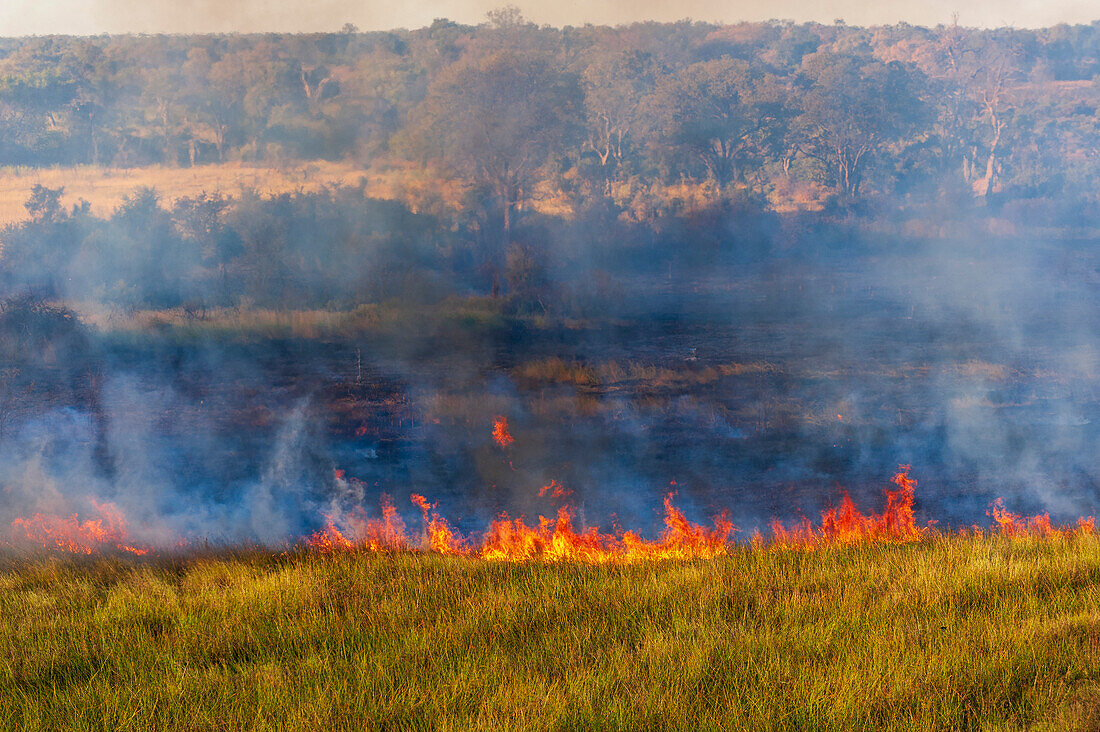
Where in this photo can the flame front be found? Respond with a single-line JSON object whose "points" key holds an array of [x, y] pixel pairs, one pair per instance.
{"points": [[846, 525], [512, 539], [556, 539], [358, 531], [1015, 525], [70, 534]]}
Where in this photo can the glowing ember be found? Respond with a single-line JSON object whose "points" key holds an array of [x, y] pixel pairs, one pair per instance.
{"points": [[500, 432], [554, 489], [79, 537]]}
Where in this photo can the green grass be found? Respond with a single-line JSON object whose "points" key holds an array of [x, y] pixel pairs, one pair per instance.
{"points": [[950, 633]]}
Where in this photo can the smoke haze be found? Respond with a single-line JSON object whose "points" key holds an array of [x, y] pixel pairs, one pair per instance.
{"points": [[84, 17], [879, 251]]}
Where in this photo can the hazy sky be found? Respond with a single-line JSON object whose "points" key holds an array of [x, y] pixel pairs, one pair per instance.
{"points": [[24, 17]]}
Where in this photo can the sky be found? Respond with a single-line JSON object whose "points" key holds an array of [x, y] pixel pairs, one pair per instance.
{"points": [[30, 17]]}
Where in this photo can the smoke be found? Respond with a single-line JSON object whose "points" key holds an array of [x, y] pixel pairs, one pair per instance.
{"points": [[765, 387], [156, 459], [89, 17]]}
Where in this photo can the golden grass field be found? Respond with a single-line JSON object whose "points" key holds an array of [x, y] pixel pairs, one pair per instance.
{"points": [[422, 188], [105, 188]]}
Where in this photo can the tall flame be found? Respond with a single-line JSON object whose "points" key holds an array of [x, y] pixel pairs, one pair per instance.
{"points": [[845, 524], [439, 537]]}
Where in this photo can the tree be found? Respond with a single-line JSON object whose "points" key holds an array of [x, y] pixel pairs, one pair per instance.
{"points": [[972, 83], [613, 89], [496, 120], [852, 110], [721, 113]]}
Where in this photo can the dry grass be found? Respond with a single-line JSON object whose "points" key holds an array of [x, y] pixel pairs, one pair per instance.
{"points": [[105, 188], [953, 633], [422, 188]]}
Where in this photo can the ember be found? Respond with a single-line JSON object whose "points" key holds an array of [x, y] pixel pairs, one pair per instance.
{"points": [[554, 489], [500, 432]]}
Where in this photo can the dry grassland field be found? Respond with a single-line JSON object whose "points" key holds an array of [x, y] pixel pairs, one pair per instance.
{"points": [[945, 634], [732, 376], [106, 188]]}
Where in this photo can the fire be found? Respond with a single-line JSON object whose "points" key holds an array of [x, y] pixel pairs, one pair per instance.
{"points": [[438, 534], [554, 489], [846, 525], [1015, 525], [500, 432], [330, 540], [682, 539], [512, 539], [361, 532], [558, 538], [70, 534]]}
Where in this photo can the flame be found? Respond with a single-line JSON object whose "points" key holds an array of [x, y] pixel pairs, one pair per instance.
{"points": [[70, 534], [555, 490], [846, 525], [557, 540], [500, 432], [330, 540], [1015, 525], [358, 531], [439, 537]]}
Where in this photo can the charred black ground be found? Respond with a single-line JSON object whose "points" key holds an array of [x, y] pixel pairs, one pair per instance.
{"points": [[755, 265]]}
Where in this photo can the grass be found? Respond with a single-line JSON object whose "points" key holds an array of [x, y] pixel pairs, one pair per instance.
{"points": [[104, 188], [422, 189], [459, 315], [949, 633]]}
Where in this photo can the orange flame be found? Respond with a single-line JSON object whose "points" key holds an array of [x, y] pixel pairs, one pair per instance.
{"points": [[438, 537], [79, 537], [500, 432], [555, 490], [846, 525], [1015, 525], [361, 532]]}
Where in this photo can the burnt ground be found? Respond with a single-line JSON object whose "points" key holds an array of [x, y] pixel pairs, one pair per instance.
{"points": [[766, 391]]}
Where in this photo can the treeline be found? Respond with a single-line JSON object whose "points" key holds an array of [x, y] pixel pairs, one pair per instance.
{"points": [[338, 248], [798, 113]]}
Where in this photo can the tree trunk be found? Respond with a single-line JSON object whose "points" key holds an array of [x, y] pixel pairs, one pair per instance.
{"points": [[984, 185]]}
